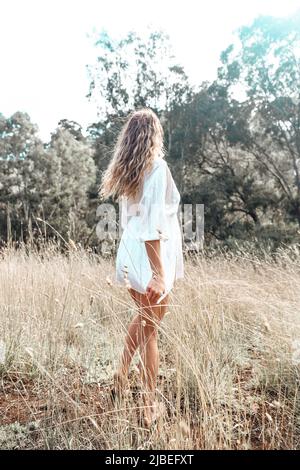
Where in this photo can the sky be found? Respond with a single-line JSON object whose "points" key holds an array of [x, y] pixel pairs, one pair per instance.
{"points": [[45, 46]]}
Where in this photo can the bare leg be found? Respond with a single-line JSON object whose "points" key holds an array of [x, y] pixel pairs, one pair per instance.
{"points": [[142, 332], [132, 341], [145, 331], [150, 318]]}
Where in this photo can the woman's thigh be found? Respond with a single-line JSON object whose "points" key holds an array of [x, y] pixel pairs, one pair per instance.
{"points": [[147, 311]]}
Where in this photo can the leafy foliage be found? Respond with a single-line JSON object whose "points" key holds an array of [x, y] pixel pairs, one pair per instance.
{"points": [[232, 144]]}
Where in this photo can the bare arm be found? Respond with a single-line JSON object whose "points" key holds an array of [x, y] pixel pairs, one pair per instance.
{"points": [[153, 251], [157, 284]]}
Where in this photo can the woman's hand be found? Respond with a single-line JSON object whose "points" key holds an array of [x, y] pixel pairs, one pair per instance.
{"points": [[156, 288]]}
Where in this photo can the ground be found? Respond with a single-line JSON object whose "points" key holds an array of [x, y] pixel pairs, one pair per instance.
{"points": [[229, 362]]}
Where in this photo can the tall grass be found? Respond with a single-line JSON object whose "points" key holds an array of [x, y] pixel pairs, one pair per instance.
{"points": [[229, 363]]}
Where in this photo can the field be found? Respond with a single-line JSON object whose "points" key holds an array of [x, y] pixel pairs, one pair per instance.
{"points": [[229, 365]]}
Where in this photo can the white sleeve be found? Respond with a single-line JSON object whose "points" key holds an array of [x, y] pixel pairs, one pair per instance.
{"points": [[153, 221]]}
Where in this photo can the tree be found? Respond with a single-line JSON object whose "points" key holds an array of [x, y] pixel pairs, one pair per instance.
{"points": [[49, 182], [20, 180], [266, 64], [133, 72], [75, 175]]}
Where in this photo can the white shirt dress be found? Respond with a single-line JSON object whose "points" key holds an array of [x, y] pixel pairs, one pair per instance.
{"points": [[152, 215]]}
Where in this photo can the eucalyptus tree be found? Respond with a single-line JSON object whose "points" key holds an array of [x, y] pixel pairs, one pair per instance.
{"points": [[75, 175], [22, 164], [130, 73], [265, 67]]}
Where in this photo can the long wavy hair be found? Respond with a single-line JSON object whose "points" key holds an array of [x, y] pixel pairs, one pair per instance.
{"points": [[140, 139]]}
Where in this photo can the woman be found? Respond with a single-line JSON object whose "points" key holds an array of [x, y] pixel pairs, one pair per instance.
{"points": [[149, 257]]}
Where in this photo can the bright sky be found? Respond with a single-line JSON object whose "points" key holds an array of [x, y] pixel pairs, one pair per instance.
{"points": [[45, 46]]}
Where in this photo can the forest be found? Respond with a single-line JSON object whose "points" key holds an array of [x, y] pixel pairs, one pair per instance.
{"points": [[232, 144]]}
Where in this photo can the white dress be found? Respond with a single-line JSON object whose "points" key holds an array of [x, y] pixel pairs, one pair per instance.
{"points": [[153, 215]]}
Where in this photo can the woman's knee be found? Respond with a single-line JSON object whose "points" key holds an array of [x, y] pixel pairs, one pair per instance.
{"points": [[149, 325], [150, 316]]}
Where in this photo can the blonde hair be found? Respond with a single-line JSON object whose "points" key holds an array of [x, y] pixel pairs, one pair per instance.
{"points": [[139, 140]]}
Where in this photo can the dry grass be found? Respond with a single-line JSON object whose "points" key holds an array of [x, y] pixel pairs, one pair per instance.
{"points": [[229, 372]]}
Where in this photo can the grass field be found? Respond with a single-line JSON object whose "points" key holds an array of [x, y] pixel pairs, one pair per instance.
{"points": [[230, 354]]}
